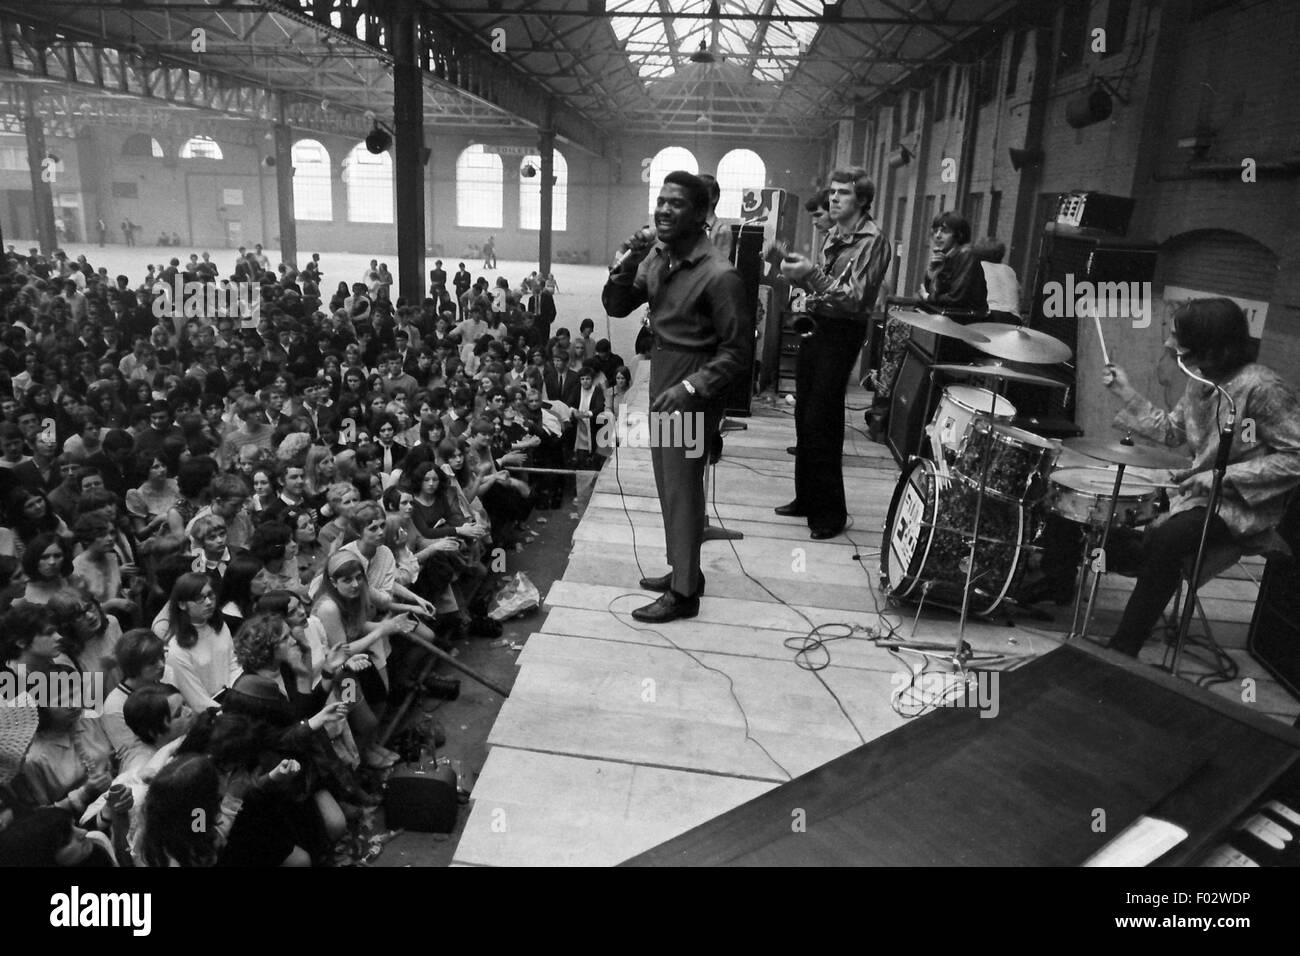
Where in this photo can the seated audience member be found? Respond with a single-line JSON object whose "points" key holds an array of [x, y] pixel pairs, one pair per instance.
{"points": [[200, 652]]}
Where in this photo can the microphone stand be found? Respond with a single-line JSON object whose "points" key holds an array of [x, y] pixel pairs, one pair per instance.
{"points": [[1226, 432]]}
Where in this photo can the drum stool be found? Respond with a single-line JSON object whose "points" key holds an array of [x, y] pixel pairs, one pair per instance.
{"points": [[1217, 561]]}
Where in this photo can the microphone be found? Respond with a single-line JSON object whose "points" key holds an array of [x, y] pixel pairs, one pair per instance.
{"points": [[1226, 430], [643, 236]]}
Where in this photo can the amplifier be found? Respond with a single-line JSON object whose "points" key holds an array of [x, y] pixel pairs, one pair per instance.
{"points": [[1089, 210]]}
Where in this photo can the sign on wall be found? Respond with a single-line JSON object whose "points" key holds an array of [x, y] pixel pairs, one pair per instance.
{"points": [[232, 197], [1255, 310]]}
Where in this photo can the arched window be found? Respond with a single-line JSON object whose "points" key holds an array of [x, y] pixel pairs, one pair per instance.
{"points": [[740, 171], [312, 198], [201, 147], [530, 194], [142, 145], [480, 192], [666, 160], [369, 178]]}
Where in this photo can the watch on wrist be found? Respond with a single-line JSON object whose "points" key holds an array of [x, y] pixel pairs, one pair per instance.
{"points": [[689, 387]]}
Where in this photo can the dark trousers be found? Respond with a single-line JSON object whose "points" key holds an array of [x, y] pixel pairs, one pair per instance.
{"points": [[679, 470], [1164, 549], [826, 360]]}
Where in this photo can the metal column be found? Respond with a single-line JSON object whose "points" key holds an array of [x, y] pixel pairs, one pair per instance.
{"points": [[546, 145], [284, 190], [408, 115], [42, 194]]}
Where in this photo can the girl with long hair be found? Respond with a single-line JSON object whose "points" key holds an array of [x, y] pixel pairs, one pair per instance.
{"points": [[149, 504], [319, 470], [343, 607], [201, 654], [48, 563]]}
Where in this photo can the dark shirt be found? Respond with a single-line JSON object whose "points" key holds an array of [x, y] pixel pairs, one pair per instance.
{"points": [[693, 307], [959, 284]]}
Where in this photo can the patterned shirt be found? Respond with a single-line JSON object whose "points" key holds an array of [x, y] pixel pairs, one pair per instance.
{"points": [[854, 262], [1264, 462]]}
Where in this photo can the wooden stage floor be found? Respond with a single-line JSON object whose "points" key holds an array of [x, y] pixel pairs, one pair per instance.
{"points": [[618, 736]]}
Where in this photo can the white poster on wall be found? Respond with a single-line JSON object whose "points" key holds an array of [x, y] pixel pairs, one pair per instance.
{"points": [[232, 197], [1256, 311]]}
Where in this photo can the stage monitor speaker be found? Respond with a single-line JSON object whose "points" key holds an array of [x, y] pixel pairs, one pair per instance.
{"points": [[909, 403], [1274, 636]]}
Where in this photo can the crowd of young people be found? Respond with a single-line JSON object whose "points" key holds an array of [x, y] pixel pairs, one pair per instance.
{"points": [[226, 520]]}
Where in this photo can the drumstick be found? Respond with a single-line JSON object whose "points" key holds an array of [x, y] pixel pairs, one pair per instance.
{"points": [[1105, 356]]}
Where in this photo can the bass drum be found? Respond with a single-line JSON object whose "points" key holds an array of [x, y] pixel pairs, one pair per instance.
{"points": [[926, 550]]}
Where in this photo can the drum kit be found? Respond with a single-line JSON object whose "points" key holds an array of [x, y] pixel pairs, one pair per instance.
{"points": [[961, 524]]}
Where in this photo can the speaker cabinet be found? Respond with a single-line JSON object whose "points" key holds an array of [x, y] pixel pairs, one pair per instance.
{"points": [[1274, 636], [1067, 257], [910, 402]]}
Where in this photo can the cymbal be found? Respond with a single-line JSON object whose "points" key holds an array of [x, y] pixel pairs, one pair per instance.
{"points": [[1000, 371], [1143, 456], [939, 325], [1019, 344]]}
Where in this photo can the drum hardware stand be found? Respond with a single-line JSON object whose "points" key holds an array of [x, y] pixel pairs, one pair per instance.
{"points": [[1081, 579], [975, 535], [1105, 537], [1226, 433]]}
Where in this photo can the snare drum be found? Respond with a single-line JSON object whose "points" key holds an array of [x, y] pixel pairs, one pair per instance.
{"points": [[1016, 458], [1082, 495], [926, 549], [958, 407]]}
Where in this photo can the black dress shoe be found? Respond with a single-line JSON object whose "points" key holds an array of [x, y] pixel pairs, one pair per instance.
{"points": [[668, 608], [792, 510], [665, 582], [792, 449], [821, 534]]}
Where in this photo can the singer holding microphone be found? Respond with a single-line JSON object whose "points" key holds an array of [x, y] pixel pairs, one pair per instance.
{"points": [[842, 293], [701, 343], [1212, 340]]}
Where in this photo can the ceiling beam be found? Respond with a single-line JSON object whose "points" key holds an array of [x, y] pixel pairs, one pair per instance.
{"points": [[747, 17]]}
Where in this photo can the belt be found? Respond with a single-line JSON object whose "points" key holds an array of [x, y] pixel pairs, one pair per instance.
{"points": [[662, 346]]}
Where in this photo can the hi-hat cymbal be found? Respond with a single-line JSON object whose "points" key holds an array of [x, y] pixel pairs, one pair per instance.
{"points": [[1000, 371], [939, 325], [1019, 344], [1143, 456]]}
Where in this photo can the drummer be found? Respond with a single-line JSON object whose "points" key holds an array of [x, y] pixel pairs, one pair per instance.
{"points": [[953, 284], [1211, 334]]}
